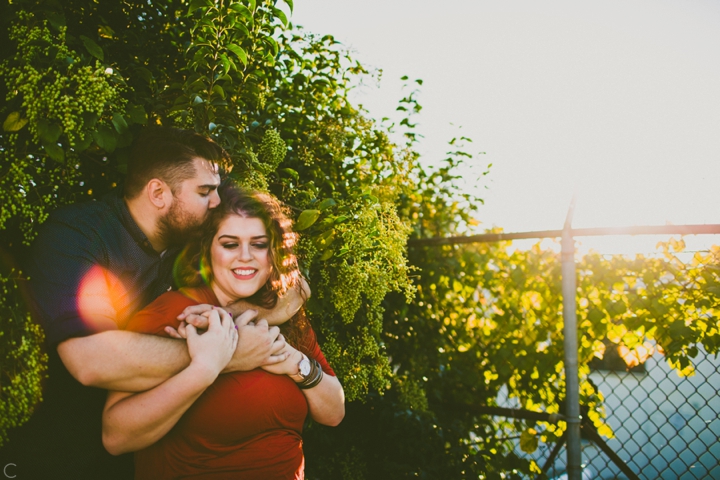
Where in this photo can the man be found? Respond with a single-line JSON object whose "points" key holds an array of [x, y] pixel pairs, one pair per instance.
{"points": [[92, 267]]}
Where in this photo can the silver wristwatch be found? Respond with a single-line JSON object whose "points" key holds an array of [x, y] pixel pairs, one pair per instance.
{"points": [[304, 367]]}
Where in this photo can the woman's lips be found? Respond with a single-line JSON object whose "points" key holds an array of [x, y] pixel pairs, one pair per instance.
{"points": [[244, 273]]}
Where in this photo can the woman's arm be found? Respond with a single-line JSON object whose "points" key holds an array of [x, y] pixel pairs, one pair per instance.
{"points": [[134, 421], [326, 400]]}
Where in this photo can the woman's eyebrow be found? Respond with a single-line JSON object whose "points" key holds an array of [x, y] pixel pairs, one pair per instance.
{"points": [[235, 237]]}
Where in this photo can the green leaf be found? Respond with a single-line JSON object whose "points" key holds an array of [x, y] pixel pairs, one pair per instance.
{"points": [[289, 4], [49, 132], [281, 15], [241, 26], [714, 290], [528, 440], [273, 43], [119, 122], [195, 4], [225, 62], [219, 91], [89, 119], [144, 73], [82, 145], [55, 152], [14, 123], [242, 10], [137, 114], [238, 50], [306, 219], [327, 203], [253, 5], [292, 173], [93, 48], [105, 138]]}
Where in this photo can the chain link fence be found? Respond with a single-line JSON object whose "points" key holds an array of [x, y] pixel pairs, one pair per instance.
{"points": [[665, 421]]}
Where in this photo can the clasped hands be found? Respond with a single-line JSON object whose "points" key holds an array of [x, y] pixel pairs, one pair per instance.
{"points": [[246, 343]]}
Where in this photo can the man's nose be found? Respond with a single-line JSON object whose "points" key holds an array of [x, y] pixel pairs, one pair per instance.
{"points": [[214, 199]]}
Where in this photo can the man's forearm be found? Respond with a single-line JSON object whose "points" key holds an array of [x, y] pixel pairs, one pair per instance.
{"points": [[123, 361]]}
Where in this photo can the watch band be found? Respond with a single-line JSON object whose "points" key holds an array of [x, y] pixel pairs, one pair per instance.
{"points": [[313, 378]]}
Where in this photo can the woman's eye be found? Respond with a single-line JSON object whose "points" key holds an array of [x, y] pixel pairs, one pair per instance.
{"points": [[261, 245], [229, 246]]}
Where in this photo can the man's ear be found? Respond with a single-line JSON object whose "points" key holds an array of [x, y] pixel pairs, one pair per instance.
{"points": [[159, 193]]}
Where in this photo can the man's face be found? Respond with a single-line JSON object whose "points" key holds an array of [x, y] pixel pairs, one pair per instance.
{"points": [[191, 203]]}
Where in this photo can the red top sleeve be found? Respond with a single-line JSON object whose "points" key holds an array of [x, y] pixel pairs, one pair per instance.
{"points": [[164, 310]]}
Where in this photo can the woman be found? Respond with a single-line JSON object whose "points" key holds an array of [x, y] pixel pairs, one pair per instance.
{"points": [[243, 425]]}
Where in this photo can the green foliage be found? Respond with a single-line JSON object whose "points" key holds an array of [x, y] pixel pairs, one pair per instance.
{"points": [[23, 361], [79, 80]]}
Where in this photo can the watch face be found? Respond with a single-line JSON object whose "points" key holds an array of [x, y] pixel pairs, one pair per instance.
{"points": [[304, 367]]}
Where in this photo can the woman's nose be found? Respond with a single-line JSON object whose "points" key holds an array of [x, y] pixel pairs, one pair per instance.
{"points": [[245, 254]]}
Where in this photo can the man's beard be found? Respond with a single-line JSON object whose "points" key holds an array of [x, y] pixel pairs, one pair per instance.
{"points": [[177, 227]]}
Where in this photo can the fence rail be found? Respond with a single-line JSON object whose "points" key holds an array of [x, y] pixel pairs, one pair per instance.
{"points": [[574, 232]]}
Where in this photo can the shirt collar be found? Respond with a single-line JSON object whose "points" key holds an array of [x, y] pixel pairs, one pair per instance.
{"points": [[116, 200]]}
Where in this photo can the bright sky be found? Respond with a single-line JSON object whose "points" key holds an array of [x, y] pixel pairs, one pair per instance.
{"points": [[617, 98]]}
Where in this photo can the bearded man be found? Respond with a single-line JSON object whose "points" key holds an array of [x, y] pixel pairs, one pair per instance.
{"points": [[92, 267]]}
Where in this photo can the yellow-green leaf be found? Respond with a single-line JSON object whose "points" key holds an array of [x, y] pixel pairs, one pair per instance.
{"points": [[306, 219], [13, 122], [529, 440]]}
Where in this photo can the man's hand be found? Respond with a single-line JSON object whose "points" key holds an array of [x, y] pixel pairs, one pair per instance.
{"points": [[287, 367], [258, 344], [195, 315]]}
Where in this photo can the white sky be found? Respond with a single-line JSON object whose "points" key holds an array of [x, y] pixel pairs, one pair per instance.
{"points": [[620, 98]]}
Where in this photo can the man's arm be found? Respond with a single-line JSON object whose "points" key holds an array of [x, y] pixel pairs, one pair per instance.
{"points": [[286, 306], [124, 361], [135, 421]]}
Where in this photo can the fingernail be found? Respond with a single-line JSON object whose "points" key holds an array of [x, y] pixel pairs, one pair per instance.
{"points": [[236, 327], [230, 313]]}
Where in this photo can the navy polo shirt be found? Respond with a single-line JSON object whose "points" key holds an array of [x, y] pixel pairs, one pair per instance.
{"points": [[91, 268]]}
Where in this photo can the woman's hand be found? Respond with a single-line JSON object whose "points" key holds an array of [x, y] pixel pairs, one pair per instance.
{"points": [[213, 349]]}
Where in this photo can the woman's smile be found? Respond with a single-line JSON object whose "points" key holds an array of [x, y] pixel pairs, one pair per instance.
{"points": [[244, 273]]}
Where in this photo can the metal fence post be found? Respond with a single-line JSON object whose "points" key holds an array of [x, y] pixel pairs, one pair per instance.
{"points": [[572, 394]]}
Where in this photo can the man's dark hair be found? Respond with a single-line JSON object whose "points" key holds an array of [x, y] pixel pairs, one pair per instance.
{"points": [[167, 153]]}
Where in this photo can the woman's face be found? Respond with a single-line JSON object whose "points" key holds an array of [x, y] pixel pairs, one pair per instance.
{"points": [[240, 258]]}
